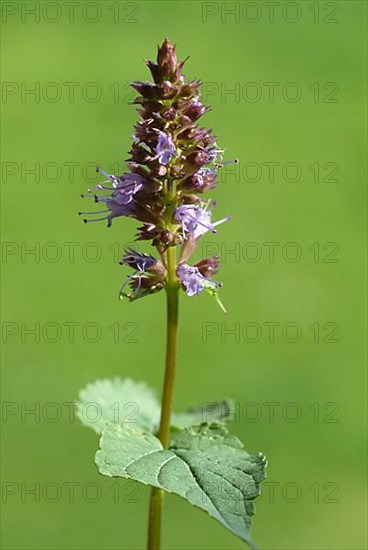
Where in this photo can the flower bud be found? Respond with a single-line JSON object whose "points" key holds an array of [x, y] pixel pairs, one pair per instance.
{"points": [[169, 114], [208, 266], [166, 59]]}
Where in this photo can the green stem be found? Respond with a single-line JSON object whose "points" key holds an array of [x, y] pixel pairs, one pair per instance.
{"points": [[172, 301]]}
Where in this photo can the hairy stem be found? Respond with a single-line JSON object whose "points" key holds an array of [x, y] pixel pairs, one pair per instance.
{"points": [[172, 301]]}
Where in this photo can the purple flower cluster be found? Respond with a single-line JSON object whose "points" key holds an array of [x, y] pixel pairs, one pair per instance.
{"points": [[172, 162]]}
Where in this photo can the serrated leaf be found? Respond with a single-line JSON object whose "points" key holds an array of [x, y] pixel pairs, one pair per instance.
{"points": [[119, 402], [128, 402], [204, 465]]}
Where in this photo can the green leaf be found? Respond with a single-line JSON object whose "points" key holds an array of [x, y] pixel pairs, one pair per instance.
{"points": [[204, 465], [128, 402], [119, 402]]}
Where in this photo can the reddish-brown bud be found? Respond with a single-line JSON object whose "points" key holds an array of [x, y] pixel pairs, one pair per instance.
{"points": [[166, 59], [208, 266]]}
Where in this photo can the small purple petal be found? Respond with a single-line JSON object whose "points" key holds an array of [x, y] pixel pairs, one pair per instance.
{"points": [[165, 148], [120, 199], [137, 260], [195, 220], [193, 281]]}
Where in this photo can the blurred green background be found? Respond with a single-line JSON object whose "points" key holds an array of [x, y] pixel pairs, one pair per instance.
{"points": [[79, 66]]}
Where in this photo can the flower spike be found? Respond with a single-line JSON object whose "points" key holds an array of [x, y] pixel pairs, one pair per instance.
{"points": [[172, 162]]}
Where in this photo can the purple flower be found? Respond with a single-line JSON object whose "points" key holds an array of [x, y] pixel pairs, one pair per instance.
{"points": [[199, 182], [137, 260], [196, 220], [165, 148], [148, 277], [203, 174], [195, 110], [119, 202], [114, 210], [123, 187], [193, 281]]}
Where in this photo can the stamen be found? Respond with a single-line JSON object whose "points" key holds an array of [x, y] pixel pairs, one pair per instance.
{"points": [[98, 220], [226, 219], [195, 220], [139, 284], [101, 187], [222, 164], [111, 178], [125, 283], [92, 213], [103, 172], [207, 226]]}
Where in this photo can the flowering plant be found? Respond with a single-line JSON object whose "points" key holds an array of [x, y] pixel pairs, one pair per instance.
{"points": [[172, 163]]}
